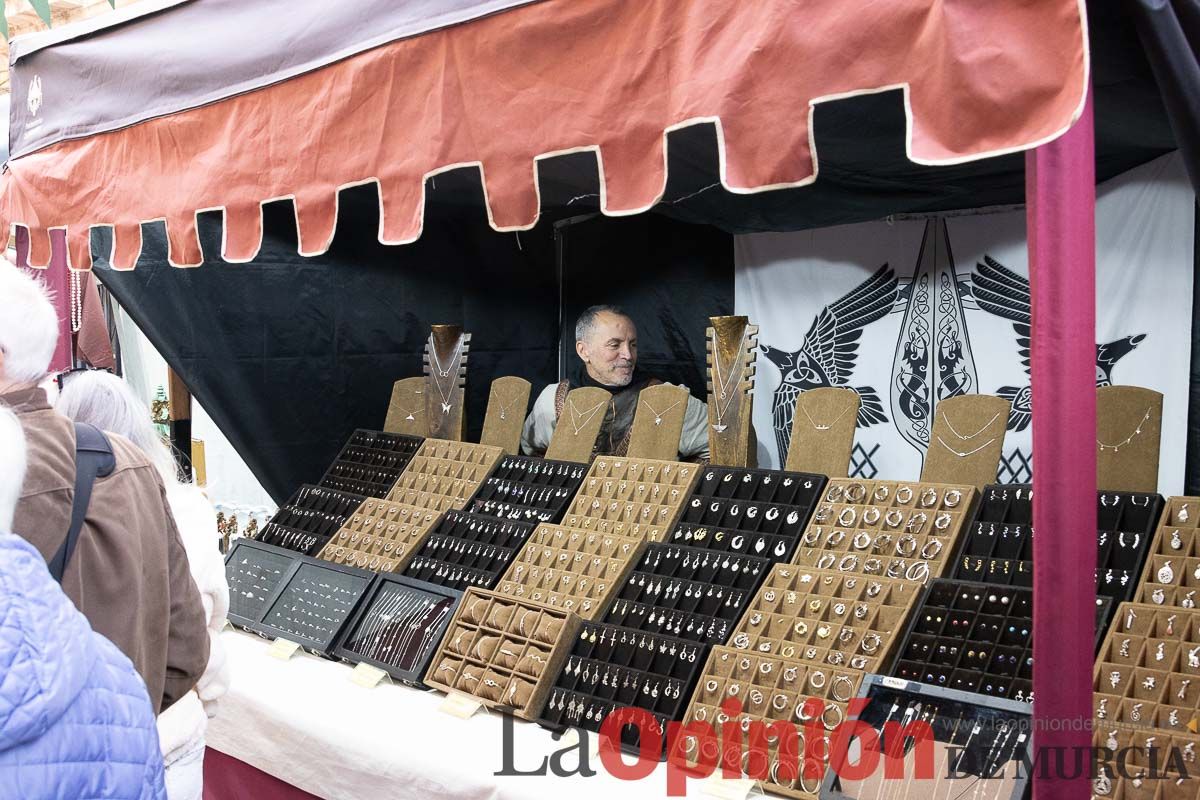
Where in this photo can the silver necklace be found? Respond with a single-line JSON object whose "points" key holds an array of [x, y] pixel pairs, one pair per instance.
{"points": [[813, 422], [658, 415], [962, 454], [1128, 439], [986, 425], [722, 384], [587, 417], [446, 396], [505, 406]]}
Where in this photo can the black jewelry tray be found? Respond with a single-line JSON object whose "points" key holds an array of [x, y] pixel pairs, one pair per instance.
{"points": [[751, 505], [247, 601], [462, 530], [998, 544], [951, 716], [706, 591], [665, 660], [354, 583], [350, 651], [558, 480], [371, 462], [310, 518], [948, 652]]}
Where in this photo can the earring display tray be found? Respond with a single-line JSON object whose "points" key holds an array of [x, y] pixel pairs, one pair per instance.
{"points": [[769, 508], [688, 592], [979, 744], [465, 550], [976, 637], [638, 497], [444, 474], [309, 518], [311, 604], [530, 489], [380, 536], [1171, 576], [1143, 753], [886, 528], [998, 545], [398, 627], [571, 569], [503, 651], [1147, 673], [370, 462], [611, 667], [254, 571]]}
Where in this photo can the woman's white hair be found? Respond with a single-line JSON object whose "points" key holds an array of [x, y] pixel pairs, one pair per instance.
{"points": [[104, 400], [12, 466], [28, 326]]}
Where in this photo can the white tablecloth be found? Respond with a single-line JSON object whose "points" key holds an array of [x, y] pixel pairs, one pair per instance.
{"points": [[304, 722]]}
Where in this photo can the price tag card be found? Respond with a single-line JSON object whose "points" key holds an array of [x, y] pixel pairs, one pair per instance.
{"points": [[460, 705], [283, 649], [726, 788], [367, 676]]}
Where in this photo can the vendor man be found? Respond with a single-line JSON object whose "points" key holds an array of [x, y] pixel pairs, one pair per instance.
{"points": [[606, 341]]}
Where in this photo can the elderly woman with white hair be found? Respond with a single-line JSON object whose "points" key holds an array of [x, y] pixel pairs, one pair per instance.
{"points": [[107, 402]]}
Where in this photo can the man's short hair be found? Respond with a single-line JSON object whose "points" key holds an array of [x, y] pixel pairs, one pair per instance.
{"points": [[12, 466], [28, 326], [587, 320]]}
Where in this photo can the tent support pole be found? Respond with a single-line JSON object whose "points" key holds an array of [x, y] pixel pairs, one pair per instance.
{"points": [[1060, 189]]}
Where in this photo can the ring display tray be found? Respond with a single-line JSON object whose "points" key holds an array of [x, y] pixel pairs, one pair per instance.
{"points": [[465, 550], [975, 637], [398, 627], [688, 592], [807, 634], [893, 529], [754, 511], [370, 462], [254, 571], [310, 604], [636, 497], [380, 536], [444, 474], [573, 569], [978, 744], [998, 545], [309, 518], [504, 651], [529, 489], [1147, 673], [610, 667]]}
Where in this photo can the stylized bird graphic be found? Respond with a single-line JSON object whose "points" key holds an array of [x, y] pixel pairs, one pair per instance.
{"points": [[1000, 291], [829, 352]]}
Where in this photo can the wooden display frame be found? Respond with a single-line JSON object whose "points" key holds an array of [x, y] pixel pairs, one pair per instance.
{"points": [[823, 427], [407, 411], [967, 440], [658, 422], [446, 351], [732, 345], [508, 402], [1128, 438], [578, 427]]}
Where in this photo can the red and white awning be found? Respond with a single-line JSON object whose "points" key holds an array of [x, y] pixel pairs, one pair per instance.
{"points": [[226, 105]]}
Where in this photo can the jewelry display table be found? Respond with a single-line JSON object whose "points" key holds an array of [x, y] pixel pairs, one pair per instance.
{"points": [[304, 722]]}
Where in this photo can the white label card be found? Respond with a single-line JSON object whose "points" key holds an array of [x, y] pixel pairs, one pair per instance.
{"points": [[725, 788], [460, 705], [367, 676], [283, 649]]}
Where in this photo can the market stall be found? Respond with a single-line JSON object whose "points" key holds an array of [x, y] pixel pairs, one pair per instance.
{"points": [[517, 91]]}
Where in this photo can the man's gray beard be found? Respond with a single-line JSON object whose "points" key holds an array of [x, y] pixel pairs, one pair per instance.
{"points": [[628, 380]]}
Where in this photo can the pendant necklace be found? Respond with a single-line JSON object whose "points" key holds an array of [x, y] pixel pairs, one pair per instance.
{"points": [[658, 415], [722, 384], [1128, 439], [505, 406], [823, 427], [961, 453], [437, 364], [576, 416]]}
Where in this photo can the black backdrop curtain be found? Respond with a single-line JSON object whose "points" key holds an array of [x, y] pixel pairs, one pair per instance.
{"points": [[290, 354]]}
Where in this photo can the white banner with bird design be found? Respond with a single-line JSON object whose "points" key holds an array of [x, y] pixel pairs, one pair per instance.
{"points": [[912, 311]]}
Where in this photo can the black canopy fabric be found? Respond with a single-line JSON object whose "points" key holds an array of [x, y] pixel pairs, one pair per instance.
{"points": [[289, 354]]}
